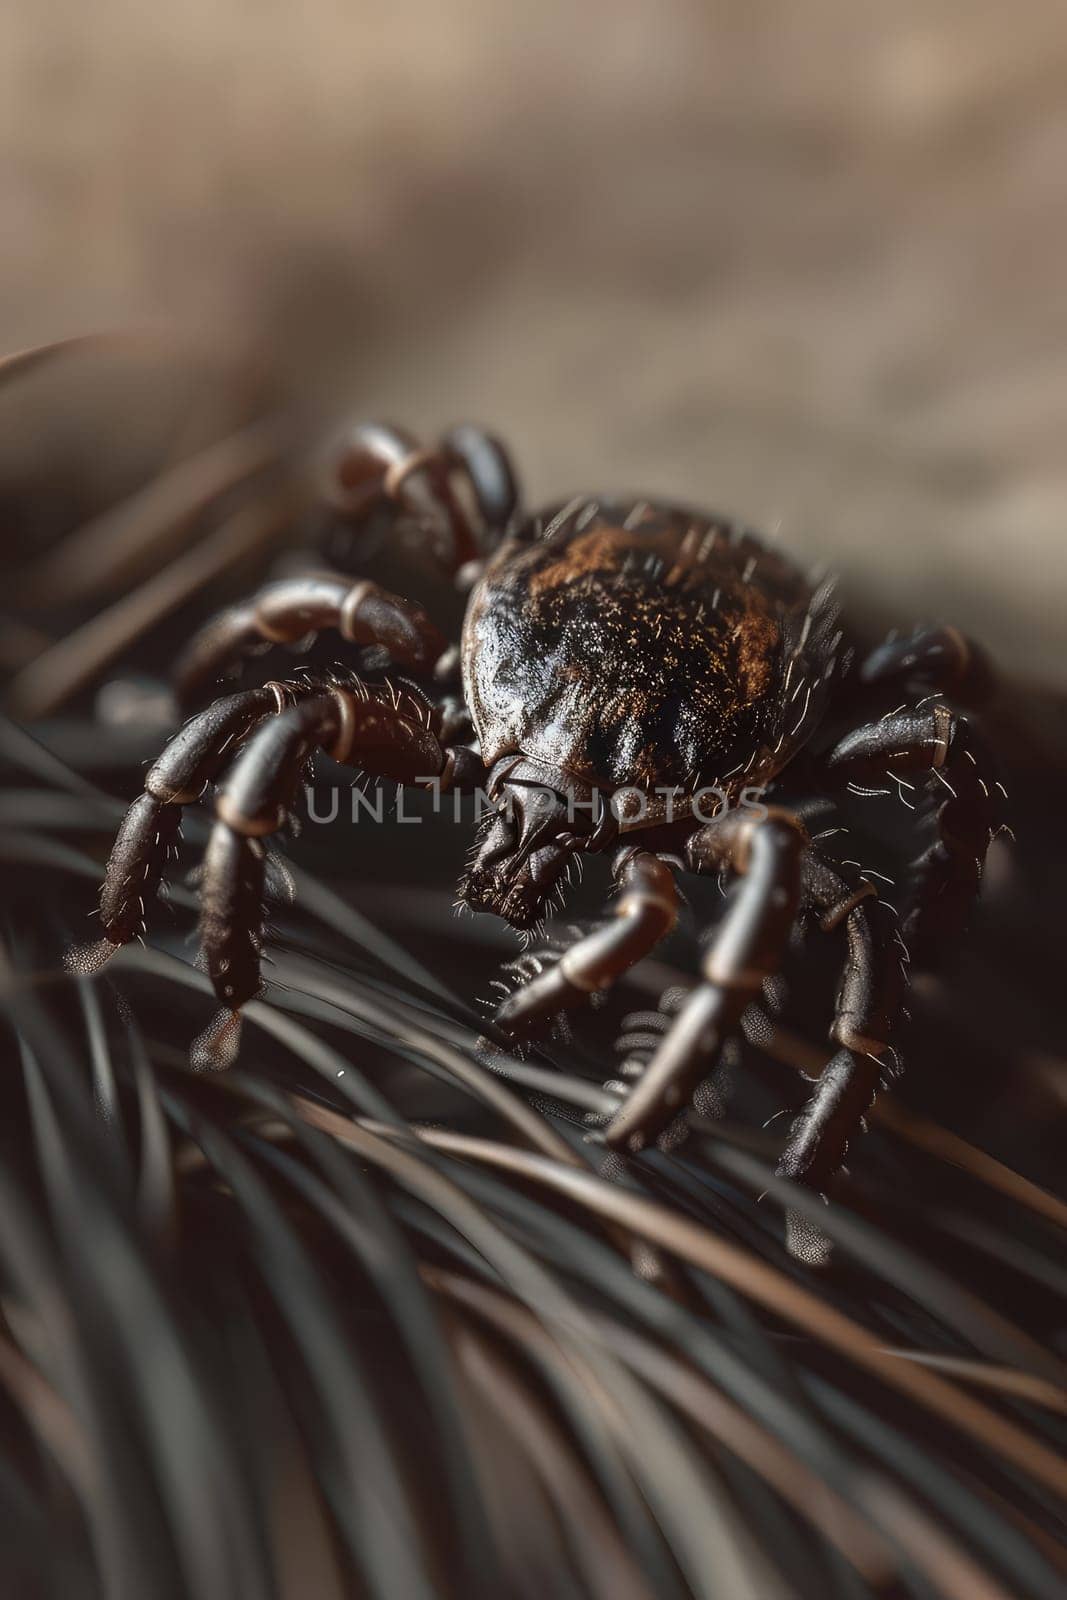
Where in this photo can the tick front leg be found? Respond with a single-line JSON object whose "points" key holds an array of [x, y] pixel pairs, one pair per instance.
{"points": [[867, 1011], [645, 913], [289, 610], [355, 728], [820, 1135], [151, 827], [765, 855]]}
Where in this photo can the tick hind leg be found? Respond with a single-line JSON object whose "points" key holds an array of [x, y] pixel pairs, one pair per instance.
{"points": [[645, 913], [935, 657], [291, 609], [461, 491]]}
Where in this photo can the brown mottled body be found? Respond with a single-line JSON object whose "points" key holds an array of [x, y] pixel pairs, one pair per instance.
{"points": [[631, 645]]}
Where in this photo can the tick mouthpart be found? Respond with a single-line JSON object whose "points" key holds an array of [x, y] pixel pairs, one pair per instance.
{"points": [[525, 849], [515, 888]]}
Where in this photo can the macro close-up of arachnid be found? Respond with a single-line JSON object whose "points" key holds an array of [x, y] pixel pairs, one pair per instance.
{"points": [[303, 956], [635, 680], [533, 764]]}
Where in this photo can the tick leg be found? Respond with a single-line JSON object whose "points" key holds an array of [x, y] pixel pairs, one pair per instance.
{"points": [[765, 854], [286, 611], [253, 803], [645, 912], [490, 470], [151, 826], [462, 491], [868, 1006], [936, 657], [943, 751], [820, 1135], [354, 727]]}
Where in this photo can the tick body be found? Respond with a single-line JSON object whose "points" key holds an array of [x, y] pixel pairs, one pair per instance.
{"points": [[618, 657], [633, 645]]}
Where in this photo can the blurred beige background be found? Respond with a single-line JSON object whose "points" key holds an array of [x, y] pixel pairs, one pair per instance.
{"points": [[802, 260]]}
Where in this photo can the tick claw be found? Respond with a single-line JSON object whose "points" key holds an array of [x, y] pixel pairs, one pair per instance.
{"points": [[216, 1048], [86, 960], [530, 1008], [518, 1017]]}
